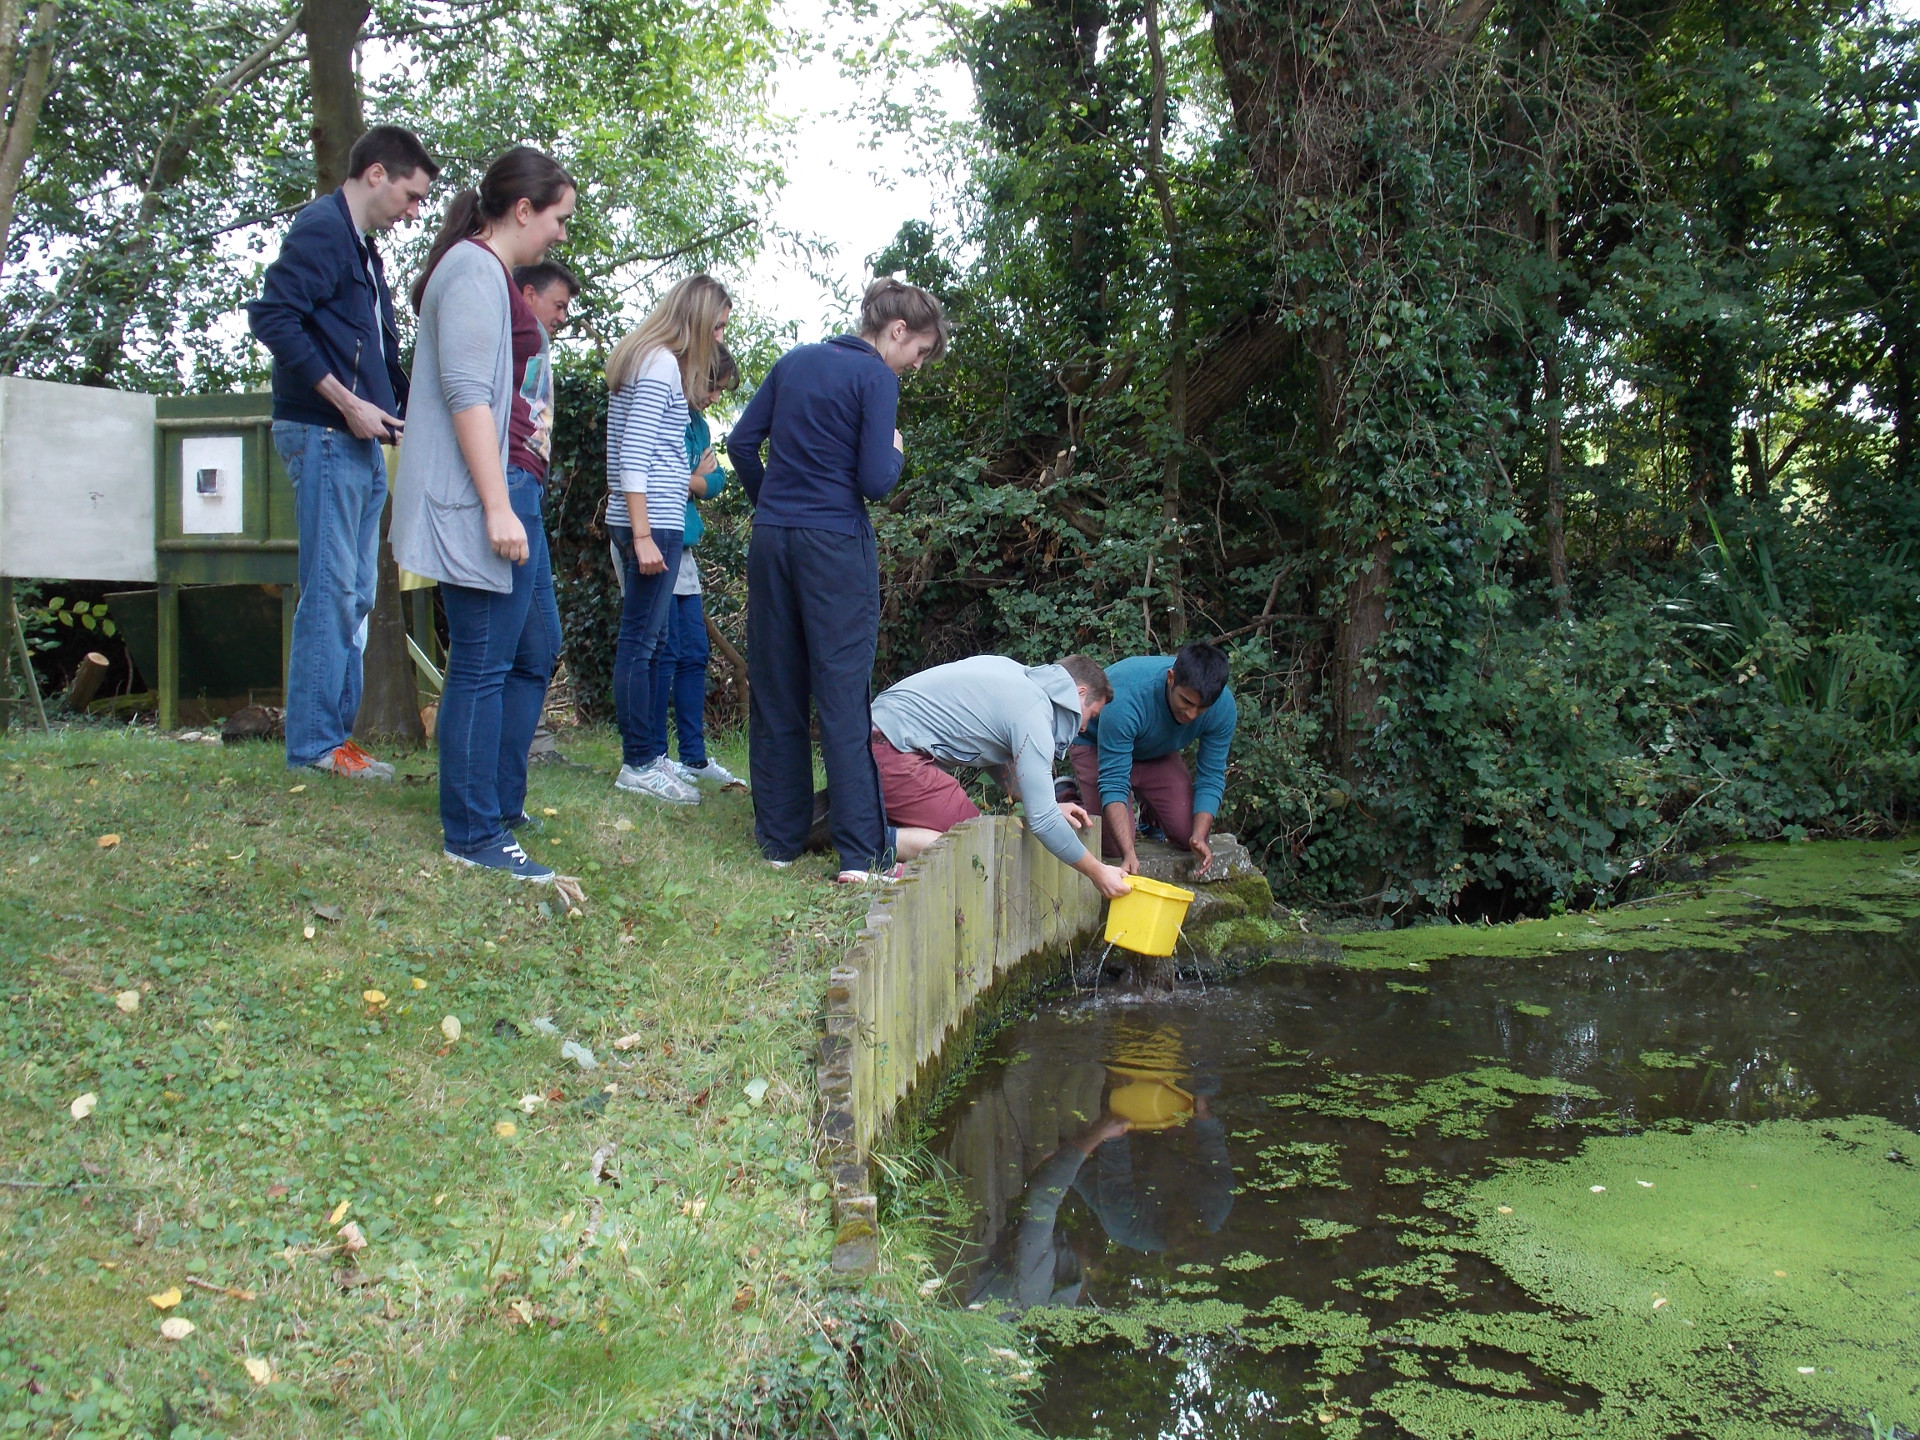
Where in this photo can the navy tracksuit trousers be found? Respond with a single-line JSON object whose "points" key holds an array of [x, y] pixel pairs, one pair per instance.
{"points": [[813, 623]]}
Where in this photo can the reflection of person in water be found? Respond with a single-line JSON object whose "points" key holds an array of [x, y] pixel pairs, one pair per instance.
{"points": [[1040, 1267], [1141, 1184]]}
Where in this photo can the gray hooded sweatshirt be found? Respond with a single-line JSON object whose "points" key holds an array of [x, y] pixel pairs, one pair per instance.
{"points": [[992, 711], [463, 358]]}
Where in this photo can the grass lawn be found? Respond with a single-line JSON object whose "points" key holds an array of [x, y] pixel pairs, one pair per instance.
{"points": [[381, 1222]]}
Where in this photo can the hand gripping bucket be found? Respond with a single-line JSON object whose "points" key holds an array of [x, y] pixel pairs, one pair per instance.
{"points": [[1146, 920]]}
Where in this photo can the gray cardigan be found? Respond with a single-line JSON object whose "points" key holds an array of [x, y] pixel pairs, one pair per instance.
{"points": [[462, 357]]}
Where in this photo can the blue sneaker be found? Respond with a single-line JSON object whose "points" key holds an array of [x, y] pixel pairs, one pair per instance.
{"points": [[509, 859]]}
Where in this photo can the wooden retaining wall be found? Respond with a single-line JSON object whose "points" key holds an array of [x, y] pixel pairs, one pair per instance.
{"points": [[983, 902]]}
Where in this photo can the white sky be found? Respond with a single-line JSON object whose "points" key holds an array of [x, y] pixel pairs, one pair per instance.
{"points": [[847, 184]]}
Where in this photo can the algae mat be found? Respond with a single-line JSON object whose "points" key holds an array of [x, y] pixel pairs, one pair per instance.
{"points": [[1735, 1281], [1379, 1216], [1756, 892]]}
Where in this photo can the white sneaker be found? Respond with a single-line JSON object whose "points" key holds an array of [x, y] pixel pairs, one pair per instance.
{"points": [[655, 779], [712, 773]]}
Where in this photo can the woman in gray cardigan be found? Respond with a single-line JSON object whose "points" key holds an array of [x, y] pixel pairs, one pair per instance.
{"points": [[463, 518]]}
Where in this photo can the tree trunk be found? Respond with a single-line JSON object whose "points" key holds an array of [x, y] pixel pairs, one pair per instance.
{"points": [[1553, 463], [390, 699], [1176, 438], [333, 29], [25, 116], [1906, 424]]}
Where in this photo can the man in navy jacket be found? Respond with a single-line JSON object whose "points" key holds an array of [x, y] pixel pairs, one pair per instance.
{"points": [[339, 393]]}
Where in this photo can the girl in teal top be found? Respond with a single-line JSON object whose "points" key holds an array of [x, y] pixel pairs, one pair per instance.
{"points": [[680, 664]]}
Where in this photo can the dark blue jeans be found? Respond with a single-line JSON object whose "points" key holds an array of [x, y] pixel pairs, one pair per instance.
{"points": [[499, 659], [643, 628], [680, 679], [813, 623], [339, 490]]}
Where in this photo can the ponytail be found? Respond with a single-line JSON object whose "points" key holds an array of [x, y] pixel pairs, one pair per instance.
{"points": [[522, 173]]}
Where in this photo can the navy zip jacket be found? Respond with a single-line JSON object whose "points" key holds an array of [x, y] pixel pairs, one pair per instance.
{"points": [[316, 314], [829, 410]]}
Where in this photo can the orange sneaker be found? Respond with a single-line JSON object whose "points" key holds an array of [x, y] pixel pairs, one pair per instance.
{"points": [[350, 762]]}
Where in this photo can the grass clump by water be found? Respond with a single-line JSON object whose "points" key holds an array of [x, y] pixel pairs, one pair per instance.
{"points": [[411, 1154]]}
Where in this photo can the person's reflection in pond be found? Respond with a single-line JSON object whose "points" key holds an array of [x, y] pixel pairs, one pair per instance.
{"points": [[1170, 1173], [1039, 1266]]}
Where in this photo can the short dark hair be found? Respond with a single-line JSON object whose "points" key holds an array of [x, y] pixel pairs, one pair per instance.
{"points": [[544, 276], [889, 300], [1086, 671], [398, 151], [1201, 668], [726, 369]]}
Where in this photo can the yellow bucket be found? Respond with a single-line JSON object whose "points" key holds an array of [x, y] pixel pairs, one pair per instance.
{"points": [[1146, 920]]}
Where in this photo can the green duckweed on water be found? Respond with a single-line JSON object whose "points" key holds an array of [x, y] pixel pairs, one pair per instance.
{"points": [[1767, 890], [1740, 1282], [1457, 1104], [1743, 1282]]}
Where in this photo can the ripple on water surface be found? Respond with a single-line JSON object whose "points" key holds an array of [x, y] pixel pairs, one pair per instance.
{"points": [[1598, 1195]]}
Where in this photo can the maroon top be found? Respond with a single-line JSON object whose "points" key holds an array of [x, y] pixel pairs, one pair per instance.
{"points": [[530, 425]]}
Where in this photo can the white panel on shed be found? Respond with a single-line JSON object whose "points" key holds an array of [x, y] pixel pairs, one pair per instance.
{"points": [[211, 491], [76, 482]]}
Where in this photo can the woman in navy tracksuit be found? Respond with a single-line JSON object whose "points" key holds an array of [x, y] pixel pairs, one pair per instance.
{"points": [[813, 581]]}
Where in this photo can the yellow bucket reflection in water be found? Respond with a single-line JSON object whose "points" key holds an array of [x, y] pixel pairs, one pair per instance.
{"points": [[1150, 1104], [1147, 1070]]}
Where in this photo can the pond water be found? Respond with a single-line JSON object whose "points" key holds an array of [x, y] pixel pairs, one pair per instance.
{"points": [[1630, 1194]]}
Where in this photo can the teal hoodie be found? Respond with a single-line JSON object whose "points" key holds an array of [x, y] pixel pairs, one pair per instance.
{"points": [[699, 437]]}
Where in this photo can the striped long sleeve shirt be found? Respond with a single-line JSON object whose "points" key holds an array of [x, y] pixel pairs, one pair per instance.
{"points": [[646, 444]]}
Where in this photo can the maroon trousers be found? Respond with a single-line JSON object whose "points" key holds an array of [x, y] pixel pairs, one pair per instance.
{"points": [[1162, 786]]}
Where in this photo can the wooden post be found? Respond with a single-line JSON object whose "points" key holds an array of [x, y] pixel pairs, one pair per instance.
{"points": [[289, 603], [167, 611], [26, 656], [86, 681]]}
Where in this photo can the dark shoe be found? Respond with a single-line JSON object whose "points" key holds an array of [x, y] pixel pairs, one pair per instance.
{"points": [[509, 859], [523, 821]]}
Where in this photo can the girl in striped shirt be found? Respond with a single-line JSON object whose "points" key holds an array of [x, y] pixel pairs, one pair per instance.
{"points": [[648, 378]]}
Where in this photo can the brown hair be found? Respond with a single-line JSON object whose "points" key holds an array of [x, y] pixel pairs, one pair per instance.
{"points": [[681, 324], [889, 300], [522, 173], [1087, 672]]}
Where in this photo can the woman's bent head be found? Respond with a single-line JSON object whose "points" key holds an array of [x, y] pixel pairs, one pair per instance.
{"points": [[523, 187], [688, 323], [904, 323]]}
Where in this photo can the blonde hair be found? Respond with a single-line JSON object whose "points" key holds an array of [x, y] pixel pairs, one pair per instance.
{"points": [[682, 324]]}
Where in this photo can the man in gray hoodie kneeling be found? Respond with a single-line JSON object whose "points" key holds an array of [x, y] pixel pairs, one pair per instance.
{"points": [[999, 715]]}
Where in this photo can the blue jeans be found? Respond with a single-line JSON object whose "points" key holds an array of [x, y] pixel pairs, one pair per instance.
{"points": [[813, 623], [339, 490], [500, 654], [646, 599], [680, 678]]}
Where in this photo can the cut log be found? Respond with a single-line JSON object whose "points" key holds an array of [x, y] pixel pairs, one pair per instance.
{"points": [[87, 681]]}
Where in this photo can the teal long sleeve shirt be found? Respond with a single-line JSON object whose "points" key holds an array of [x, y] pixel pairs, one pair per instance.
{"points": [[699, 437], [1137, 724]]}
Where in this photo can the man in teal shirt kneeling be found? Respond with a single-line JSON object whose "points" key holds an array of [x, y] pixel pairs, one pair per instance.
{"points": [[1161, 704]]}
